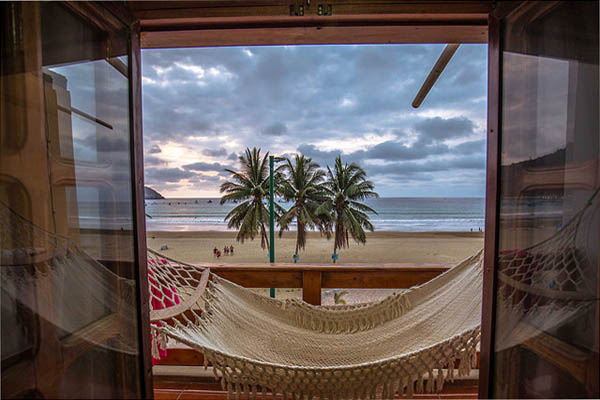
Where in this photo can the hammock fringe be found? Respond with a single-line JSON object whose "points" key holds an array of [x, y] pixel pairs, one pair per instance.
{"points": [[321, 319], [372, 383]]}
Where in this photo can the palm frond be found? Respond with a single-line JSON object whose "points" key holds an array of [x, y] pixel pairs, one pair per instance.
{"points": [[346, 186]]}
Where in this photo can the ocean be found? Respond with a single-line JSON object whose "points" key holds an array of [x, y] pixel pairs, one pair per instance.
{"points": [[393, 214]]}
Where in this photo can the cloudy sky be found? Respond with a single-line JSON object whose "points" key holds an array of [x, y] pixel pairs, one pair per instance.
{"points": [[203, 107]]}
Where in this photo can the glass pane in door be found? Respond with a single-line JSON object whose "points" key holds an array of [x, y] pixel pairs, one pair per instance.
{"points": [[69, 310], [546, 322]]}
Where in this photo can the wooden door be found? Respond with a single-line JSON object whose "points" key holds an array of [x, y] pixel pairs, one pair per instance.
{"points": [[73, 319], [540, 312]]}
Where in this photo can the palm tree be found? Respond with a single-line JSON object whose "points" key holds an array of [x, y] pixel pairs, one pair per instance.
{"points": [[303, 186], [347, 186], [250, 187]]}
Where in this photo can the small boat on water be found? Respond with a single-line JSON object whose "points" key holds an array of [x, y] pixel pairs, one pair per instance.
{"points": [[210, 201]]}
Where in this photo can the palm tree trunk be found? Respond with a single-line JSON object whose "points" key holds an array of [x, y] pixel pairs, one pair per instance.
{"points": [[334, 250], [337, 234], [299, 227], [265, 237]]}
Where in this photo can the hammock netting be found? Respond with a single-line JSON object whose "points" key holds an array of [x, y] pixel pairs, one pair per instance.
{"points": [[551, 284], [51, 277], [337, 352], [406, 343]]}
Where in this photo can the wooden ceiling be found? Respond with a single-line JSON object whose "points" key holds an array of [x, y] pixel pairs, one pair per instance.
{"points": [[245, 22]]}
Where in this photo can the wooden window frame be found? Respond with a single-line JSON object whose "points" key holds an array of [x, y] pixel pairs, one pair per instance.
{"points": [[227, 23], [492, 192], [111, 16]]}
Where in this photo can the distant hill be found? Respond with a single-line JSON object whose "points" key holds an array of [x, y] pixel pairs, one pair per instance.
{"points": [[151, 194], [556, 159]]}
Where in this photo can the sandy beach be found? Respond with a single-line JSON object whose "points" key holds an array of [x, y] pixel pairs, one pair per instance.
{"points": [[381, 247]]}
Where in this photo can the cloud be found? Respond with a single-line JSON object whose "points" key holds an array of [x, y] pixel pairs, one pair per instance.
{"points": [[215, 152], [321, 157], [470, 147], [105, 142], [275, 129], [393, 150], [204, 166], [150, 160], [410, 168], [438, 129], [206, 179], [166, 174]]}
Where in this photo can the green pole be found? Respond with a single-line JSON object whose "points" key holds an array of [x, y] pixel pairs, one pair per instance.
{"points": [[271, 218]]}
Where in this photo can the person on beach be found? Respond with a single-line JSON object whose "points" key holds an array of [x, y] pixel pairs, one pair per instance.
{"points": [[218, 253], [215, 251], [231, 249], [226, 250]]}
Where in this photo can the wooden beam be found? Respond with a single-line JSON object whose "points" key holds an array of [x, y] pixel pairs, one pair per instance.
{"points": [[311, 287], [82, 341], [182, 356], [226, 23], [172, 10], [559, 353], [378, 279], [387, 34], [262, 279], [187, 22], [435, 73], [383, 276]]}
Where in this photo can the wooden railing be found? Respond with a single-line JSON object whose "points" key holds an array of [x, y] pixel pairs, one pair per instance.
{"points": [[312, 278]]}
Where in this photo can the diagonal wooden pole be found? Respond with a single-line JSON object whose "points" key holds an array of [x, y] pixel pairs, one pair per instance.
{"points": [[437, 69]]}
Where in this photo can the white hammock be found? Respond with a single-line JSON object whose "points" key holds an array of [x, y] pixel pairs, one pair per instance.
{"points": [[85, 301], [337, 352]]}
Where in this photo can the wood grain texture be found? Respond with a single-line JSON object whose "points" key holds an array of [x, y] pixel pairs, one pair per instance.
{"points": [[387, 34], [190, 22], [382, 279], [311, 287], [137, 166], [182, 356], [151, 10], [202, 23], [383, 276], [559, 353], [491, 211], [263, 279]]}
